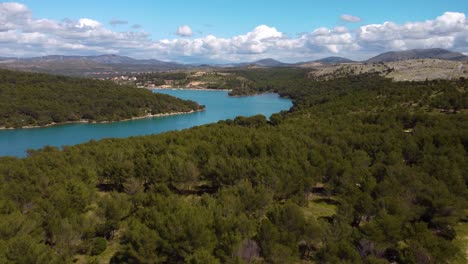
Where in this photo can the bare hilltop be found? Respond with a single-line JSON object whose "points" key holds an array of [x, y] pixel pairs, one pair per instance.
{"points": [[404, 70]]}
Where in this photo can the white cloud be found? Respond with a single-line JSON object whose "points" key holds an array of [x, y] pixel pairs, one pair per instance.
{"points": [[350, 18], [87, 23], [23, 35], [13, 15], [340, 29], [331, 40], [184, 31], [264, 32], [446, 31]]}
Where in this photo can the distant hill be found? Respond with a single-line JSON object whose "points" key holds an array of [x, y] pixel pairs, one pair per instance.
{"points": [[323, 61], [6, 58], [111, 65], [403, 70], [418, 54], [87, 65], [334, 59], [260, 63], [269, 63], [102, 59]]}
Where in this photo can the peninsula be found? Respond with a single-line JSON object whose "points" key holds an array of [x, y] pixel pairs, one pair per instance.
{"points": [[36, 100]]}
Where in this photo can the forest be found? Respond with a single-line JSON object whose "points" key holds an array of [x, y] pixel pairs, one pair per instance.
{"points": [[360, 170], [34, 99]]}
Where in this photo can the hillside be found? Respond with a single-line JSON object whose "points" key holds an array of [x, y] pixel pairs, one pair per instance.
{"points": [[334, 60], [265, 63], [361, 170], [269, 63], [440, 54], [33, 99], [241, 82], [114, 65], [407, 70], [103, 59], [102, 65], [327, 61]]}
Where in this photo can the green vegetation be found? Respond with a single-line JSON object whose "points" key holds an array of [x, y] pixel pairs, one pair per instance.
{"points": [[361, 170], [159, 78], [31, 99], [98, 245], [319, 207], [225, 79], [461, 241]]}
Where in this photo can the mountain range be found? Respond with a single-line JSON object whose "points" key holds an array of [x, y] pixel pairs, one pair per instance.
{"points": [[112, 64], [334, 60], [102, 59], [435, 53], [88, 65]]}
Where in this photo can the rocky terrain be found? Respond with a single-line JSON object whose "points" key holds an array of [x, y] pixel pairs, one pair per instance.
{"points": [[435, 53], [406, 70]]}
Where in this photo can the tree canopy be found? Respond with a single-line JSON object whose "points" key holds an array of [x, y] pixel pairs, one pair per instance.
{"points": [[360, 170], [34, 99]]}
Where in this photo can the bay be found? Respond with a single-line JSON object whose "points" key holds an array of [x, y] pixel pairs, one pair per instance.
{"points": [[219, 106]]}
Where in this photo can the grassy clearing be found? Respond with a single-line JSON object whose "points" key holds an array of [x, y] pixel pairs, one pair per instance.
{"points": [[462, 242], [319, 207], [113, 246]]}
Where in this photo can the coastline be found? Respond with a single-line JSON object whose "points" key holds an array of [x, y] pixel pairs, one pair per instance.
{"points": [[186, 88], [104, 122]]}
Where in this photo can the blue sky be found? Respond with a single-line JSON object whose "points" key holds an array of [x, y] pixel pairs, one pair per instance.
{"points": [[228, 30], [225, 18]]}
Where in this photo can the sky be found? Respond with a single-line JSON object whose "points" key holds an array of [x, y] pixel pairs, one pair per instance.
{"points": [[206, 31]]}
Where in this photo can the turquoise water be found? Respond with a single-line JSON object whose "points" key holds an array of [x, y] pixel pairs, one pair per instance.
{"points": [[219, 106]]}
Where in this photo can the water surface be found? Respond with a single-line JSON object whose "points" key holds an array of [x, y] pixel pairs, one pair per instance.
{"points": [[219, 106]]}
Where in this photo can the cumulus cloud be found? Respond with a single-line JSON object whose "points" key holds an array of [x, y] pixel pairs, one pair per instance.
{"points": [[184, 31], [21, 34], [13, 15], [446, 31], [333, 41], [116, 22], [350, 18], [87, 23]]}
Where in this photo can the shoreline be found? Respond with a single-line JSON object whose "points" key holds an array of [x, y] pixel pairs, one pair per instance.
{"points": [[84, 121], [207, 89], [186, 88]]}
